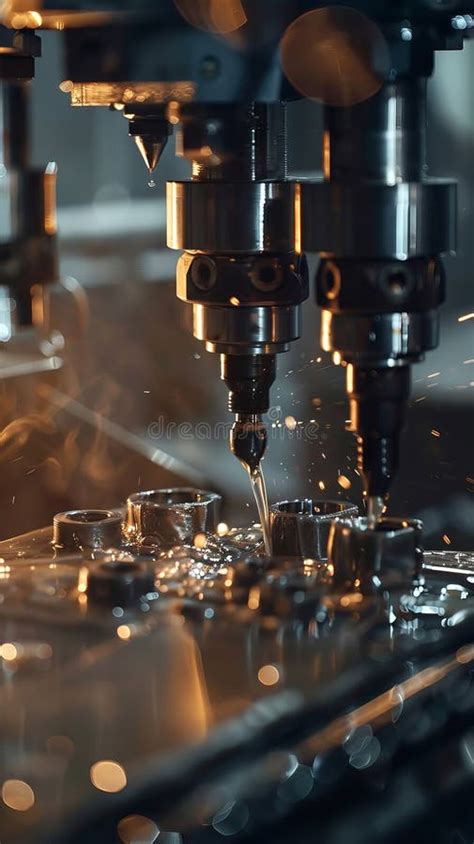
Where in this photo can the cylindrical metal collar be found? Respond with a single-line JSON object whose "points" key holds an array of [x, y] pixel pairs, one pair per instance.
{"points": [[388, 557], [300, 528], [87, 529], [168, 517]]}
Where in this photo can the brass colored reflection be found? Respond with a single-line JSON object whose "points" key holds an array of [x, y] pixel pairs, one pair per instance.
{"points": [[337, 56], [219, 16]]}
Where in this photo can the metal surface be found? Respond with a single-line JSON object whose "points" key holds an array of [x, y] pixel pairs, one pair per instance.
{"points": [[392, 339], [397, 221], [231, 217], [181, 690], [246, 330], [300, 528], [79, 529], [167, 517], [386, 556]]}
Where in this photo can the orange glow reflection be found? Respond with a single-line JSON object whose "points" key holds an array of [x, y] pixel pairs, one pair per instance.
{"points": [[18, 795], [268, 675], [220, 16], [108, 776], [336, 55]]}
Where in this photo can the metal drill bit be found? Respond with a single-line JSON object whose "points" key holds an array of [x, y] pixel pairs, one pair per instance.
{"points": [[375, 507]]}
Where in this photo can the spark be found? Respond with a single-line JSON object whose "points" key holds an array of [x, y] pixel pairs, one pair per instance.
{"points": [[465, 317], [322, 486], [344, 482], [435, 433], [433, 374], [446, 539], [290, 423]]}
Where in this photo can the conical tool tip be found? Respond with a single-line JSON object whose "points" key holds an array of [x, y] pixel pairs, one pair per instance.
{"points": [[151, 148]]}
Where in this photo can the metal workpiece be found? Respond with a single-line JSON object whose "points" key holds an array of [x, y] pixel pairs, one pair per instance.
{"points": [[369, 560], [232, 217], [87, 529], [300, 528], [290, 594], [399, 221], [119, 582], [262, 329], [168, 517]]}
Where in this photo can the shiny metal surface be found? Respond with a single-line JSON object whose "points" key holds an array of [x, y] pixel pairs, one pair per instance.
{"points": [[399, 221], [391, 338], [231, 217], [167, 517], [382, 139], [78, 529], [202, 705], [246, 330], [300, 528], [368, 559]]}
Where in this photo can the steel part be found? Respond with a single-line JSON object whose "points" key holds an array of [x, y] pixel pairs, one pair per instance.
{"points": [[399, 221], [78, 529], [380, 281], [386, 339], [378, 398], [382, 139], [28, 254], [248, 379], [168, 517], [231, 217], [300, 528], [241, 280], [368, 559], [248, 440], [18, 50], [116, 582], [235, 330], [289, 595], [234, 143], [151, 134]]}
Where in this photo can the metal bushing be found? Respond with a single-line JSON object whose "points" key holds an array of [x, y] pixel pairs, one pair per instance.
{"points": [[300, 528], [168, 517], [231, 216], [289, 594], [398, 221], [242, 330], [78, 529], [119, 583], [388, 557], [385, 336]]}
